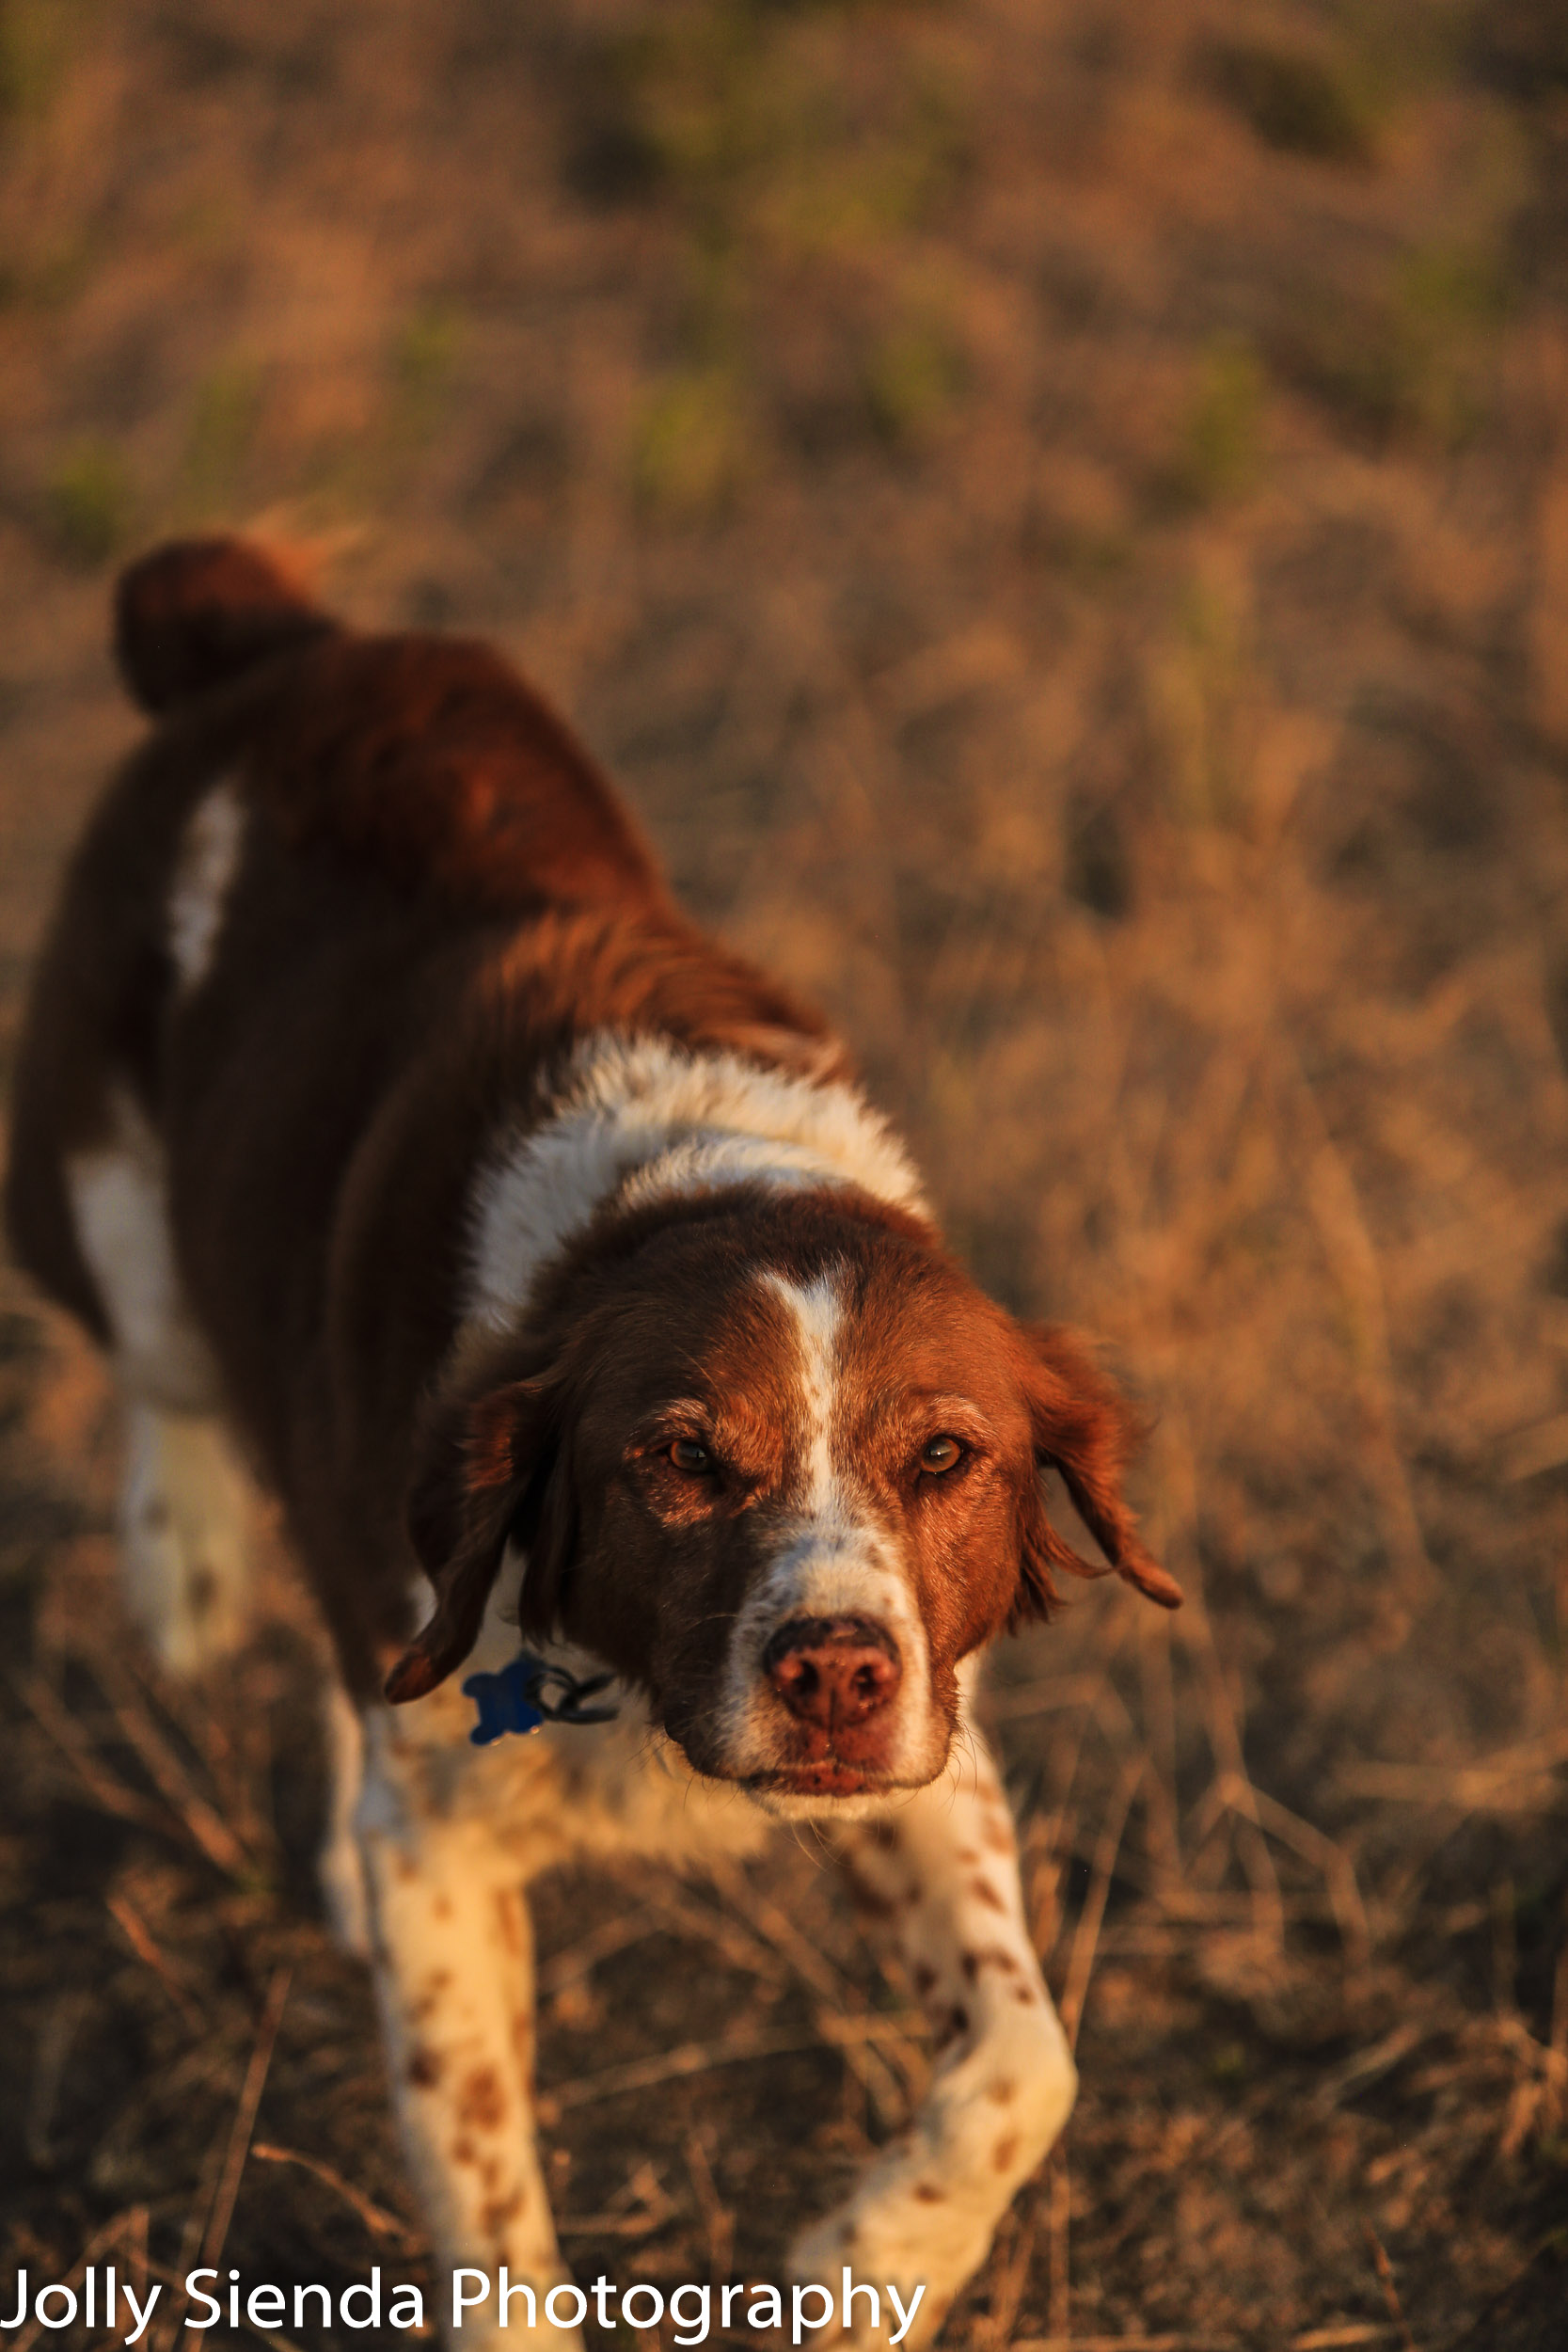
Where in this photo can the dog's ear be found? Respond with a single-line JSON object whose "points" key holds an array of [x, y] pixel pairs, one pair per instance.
{"points": [[1083, 1427], [489, 1473]]}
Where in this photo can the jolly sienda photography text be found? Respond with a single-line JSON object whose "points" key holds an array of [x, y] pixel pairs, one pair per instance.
{"points": [[101, 2299]]}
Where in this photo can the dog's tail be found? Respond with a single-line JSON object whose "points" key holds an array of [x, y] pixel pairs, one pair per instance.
{"points": [[198, 612]]}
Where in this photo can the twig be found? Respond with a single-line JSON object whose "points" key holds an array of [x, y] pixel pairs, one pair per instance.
{"points": [[1224, 1737], [67, 1736], [754, 1952], [1111, 1715], [1543, 1446], [1198, 1906], [1061, 2224], [1125, 2344], [1505, 1949], [140, 1938], [161, 2334], [208, 1828], [1048, 1696], [718, 2221], [1158, 1685], [613, 1935], [1209, 1857], [697, 2057], [1336, 1208], [49, 2065], [137, 2227], [1089, 1695], [888, 2093], [375, 2217], [1386, 2280], [1316, 1846], [639, 2206], [1066, 1757], [1369, 2066], [1538, 2099], [1010, 2279], [110, 2235], [1042, 1861], [1495, 1787], [629, 2225], [812, 1966], [1086, 1935], [1354, 2331], [1234, 1787], [235, 1768], [222, 2210]]}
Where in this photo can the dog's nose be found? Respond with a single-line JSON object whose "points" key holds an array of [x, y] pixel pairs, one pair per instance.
{"points": [[832, 1671]]}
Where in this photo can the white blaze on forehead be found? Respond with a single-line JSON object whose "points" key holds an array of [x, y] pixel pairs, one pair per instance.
{"points": [[836, 1558], [208, 859], [817, 1310]]}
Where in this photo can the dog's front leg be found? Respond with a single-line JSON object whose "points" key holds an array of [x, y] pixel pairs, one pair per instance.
{"points": [[937, 1876], [453, 1954]]}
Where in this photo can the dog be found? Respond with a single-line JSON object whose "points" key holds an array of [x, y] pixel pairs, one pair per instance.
{"points": [[403, 1145]]}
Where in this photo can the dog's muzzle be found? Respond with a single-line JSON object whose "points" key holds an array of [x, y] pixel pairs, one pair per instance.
{"points": [[833, 1673]]}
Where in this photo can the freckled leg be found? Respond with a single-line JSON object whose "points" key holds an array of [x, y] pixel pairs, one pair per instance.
{"points": [[185, 1536], [185, 1499], [340, 1866], [938, 1877], [453, 1962]]}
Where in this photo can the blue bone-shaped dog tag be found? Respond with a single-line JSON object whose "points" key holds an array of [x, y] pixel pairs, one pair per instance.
{"points": [[505, 1701], [517, 1699]]}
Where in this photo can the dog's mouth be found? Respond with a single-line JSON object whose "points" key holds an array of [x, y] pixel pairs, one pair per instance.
{"points": [[828, 1776]]}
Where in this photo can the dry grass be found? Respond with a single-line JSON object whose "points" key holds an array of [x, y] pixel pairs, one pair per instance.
{"points": [[1059, 516]]}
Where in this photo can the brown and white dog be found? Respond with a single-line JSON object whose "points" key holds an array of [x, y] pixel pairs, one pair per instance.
{"points": [[376, 1106]]}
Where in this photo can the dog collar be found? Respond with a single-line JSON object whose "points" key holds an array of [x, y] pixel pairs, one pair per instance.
{"points": [[530, 1693]]}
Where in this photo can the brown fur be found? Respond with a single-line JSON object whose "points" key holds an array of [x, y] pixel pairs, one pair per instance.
{"points": [[199, 612], [438, 895]]}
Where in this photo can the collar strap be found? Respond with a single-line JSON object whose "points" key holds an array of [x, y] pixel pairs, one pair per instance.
{"points": [[530, 1693]]}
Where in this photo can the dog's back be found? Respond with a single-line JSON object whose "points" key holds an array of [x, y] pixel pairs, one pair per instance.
{"points": [[331, 924]]}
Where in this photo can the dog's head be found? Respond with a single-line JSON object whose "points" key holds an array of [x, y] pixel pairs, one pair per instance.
{"points": [[778, 1463]]}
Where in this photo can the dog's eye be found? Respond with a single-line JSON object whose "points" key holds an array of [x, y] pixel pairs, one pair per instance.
{"points": [[940, 1455], [688, 1455]]}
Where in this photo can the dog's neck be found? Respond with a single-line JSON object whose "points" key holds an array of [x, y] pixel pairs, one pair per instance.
{"points": [[638, 1120]]}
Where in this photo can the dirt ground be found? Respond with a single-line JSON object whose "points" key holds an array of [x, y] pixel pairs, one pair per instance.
{"points": [[1057, 513]]}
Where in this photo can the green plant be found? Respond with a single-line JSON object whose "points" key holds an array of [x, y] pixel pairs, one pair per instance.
{"points": [[224, 417], [1307, 102], [1412, 354], [790, 149], [913, 376], [424, 356], [1229, 2065], [1204, 704], [834, 182], [88, 502], [691, 446], [751, 116], [36, 41], [1221, 436], [1446, 300]]}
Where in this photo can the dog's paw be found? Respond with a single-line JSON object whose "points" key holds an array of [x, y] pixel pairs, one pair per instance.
{"points": [[891, 2240], [921, 2220], [184, 1537]]}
